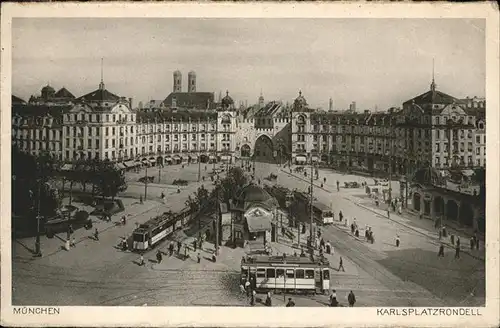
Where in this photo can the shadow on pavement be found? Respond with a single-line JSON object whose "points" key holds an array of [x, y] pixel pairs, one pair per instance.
{"points": [[458, 282], [32, 251]]}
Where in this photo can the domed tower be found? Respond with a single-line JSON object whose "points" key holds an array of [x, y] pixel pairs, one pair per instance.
{"points": [[47, 92], [192, 81], [227, 102], [177, 81], [299, 103], [261, 100]]}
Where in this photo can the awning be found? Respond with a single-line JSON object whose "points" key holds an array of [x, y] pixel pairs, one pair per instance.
{"points": [[67, 167], [152, 161], [130, 163], [258, 223], [120, 166], [168, 159], [468, 173], [300, 159], [177, 157], [211, 157], [225, 158]]}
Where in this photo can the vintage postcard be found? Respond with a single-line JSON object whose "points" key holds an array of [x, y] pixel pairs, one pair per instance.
{"points": [[216, 164]]}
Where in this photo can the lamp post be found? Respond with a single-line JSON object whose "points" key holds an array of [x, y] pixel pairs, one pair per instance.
{"points": [[311, 234], [38, 252], [146, 183]]}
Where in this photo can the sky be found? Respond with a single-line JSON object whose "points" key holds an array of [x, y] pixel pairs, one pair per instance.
{"points": [[379, 63]]}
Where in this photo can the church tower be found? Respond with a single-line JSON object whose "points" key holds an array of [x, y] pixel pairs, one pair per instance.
{"points": [[177, 81], [261, 100], [192, 81]]}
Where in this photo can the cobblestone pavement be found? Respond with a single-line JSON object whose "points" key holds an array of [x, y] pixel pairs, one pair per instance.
{"points": [[97, 273]]}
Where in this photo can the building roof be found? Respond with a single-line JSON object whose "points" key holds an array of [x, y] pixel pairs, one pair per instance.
{"points": [[190, 100], [227, 100], [433, 97], [17, 100], [99, 95], [179, 115], [64, 93], [253, 193], [40, 110], [48, 88], [256, 224], [429, 176]]}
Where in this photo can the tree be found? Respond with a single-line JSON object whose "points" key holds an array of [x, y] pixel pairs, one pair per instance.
{"points": [[110, 180], [230, 186], [198, 202]]}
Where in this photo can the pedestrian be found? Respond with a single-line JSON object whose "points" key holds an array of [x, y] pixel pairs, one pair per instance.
{"points": [[341, 265], [472, 243], [179, 244], [70, 228], [195, 245], [397, 241], [67, 245], [440, 234], [140, 199], [338, 185], [441, 250], [290, 303], [399, 209], [324, 180], [268, 299], [322, 243], [171, 248], [159, 257], [356, 233], [242, 289], [96, 234], [367, 233], [445, 233], [141, 260], [341, 216], [199, 257], [351, 299], [458, 241], [352, 228], [247, 288], [457, 251], [328, 247], [73, 242], [333, 299], [452, 239], [252, 300]]}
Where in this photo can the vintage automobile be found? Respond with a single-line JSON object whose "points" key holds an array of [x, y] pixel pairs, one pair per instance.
{"points": [[351, 184]]}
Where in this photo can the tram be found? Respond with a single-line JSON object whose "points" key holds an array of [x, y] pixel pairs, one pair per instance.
{"points": [[287, 274], [150, 233]]}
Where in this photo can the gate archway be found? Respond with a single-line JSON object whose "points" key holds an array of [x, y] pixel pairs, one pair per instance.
{"points": [[466, 214], [451, 210], [416, 201], [245, 150], [263, 150], [438, 205]]}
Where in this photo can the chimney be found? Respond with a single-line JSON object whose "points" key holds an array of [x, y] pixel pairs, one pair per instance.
{"points": [[130, 102]]}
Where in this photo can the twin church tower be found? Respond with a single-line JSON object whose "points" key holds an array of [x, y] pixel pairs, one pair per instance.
{"points": [[178, 81]]}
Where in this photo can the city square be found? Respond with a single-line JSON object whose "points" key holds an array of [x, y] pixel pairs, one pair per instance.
{"points": [[197, 197]]}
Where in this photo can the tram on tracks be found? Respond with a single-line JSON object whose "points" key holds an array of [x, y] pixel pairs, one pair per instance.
{"points": [[153, 231], [286, 274]]}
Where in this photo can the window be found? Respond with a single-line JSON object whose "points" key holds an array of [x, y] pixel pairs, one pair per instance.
{"points": [[290, 273], [114, 130], [309, 274], [326, 274], [107, 143], [478, 151], [107, 131], [97, 144], [280, 273], [299, 274], [89, 143], [107, 120], [261, 273], [437, 147], [478, 139]]}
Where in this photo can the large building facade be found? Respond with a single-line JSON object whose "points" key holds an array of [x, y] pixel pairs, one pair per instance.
{"points": [[433, 129]]}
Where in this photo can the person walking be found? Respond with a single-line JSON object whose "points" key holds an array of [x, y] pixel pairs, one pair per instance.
{"points": [[73, 242], [472, 243], [252, 299], [96, 234], [290, 303], [441, 250], [458, 241], [141, 260], [67, 245], [199, 257], [195, 245], [397, 241], [269, 301], [351, 299], [247, 288], [171, 248], [341, 265], [179, 244], [338, 185], [242, 289], [341, 216], [333, 299], [452, 239], [159, 257], [457, 251]]}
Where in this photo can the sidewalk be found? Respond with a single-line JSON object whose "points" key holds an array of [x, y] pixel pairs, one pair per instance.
{"points": [[424, 227]]}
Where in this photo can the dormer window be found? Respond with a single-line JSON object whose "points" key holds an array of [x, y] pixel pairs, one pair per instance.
{"points": [[480, 125]]}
